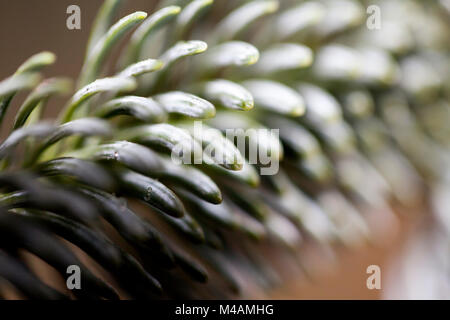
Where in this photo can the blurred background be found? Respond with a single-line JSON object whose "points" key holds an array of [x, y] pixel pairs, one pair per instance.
{"points": [[31, 26]]}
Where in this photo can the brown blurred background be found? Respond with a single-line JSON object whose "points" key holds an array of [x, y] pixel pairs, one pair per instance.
{"points": [[31, 26]]}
